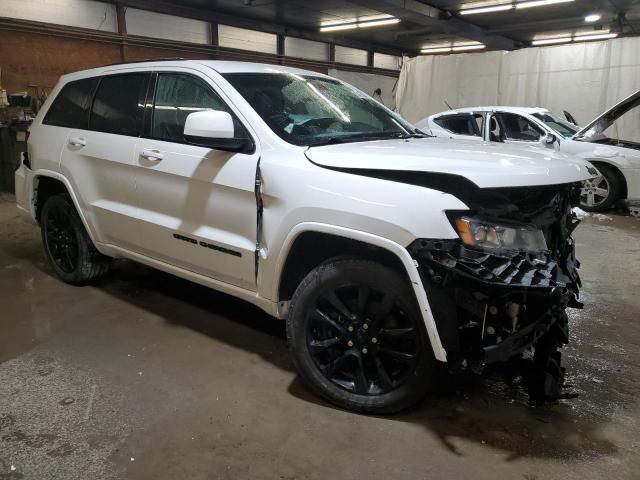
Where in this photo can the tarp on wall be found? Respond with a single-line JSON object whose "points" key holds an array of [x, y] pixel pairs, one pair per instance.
{"points": [[582, 78], [368, 83]]}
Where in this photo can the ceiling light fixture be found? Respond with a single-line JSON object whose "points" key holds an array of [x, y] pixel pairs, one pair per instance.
{"points": [[594, 17], [453, 48], [462, 48], [550, 41], [493, 8], [539, 3], [578, 37], [377, 23], [363, 24]]}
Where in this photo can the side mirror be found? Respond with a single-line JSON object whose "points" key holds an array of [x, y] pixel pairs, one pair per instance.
{"points": [[549, 139], [213, 129]]}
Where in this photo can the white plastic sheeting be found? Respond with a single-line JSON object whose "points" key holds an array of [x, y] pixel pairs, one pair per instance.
{"points": [[369, 83], [583, 78]]}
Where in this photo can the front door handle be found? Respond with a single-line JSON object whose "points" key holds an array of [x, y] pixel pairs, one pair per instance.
{"points": [[77, 141], [151, 154]]}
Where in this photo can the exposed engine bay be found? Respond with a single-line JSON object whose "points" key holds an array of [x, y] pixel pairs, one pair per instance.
{"points": [[507, 305]]}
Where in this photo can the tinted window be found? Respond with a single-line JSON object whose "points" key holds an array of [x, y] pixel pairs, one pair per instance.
{"points": [[117, 105], [465, 124], [516, 127], [71, 107], [177, 96]]}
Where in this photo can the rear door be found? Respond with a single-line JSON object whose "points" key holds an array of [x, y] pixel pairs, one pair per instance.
{"points": [[98, 159], [197, 205]]}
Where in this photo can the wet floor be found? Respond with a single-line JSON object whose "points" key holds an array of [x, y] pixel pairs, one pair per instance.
{"points": [[147, 376]]}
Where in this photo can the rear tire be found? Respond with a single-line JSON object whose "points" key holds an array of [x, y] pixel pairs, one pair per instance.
{"points": [[603, 192], [357, 338], [68, 248]]}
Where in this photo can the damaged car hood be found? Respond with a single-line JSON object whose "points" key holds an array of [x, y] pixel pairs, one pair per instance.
{"points": [[604, 121], [487, 165]]}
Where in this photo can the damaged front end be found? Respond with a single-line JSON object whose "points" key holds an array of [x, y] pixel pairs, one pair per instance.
{"points": [[499, 293]]}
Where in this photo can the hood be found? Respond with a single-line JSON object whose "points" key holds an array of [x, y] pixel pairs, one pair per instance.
{"points": [[487, 165], [605, 120]]}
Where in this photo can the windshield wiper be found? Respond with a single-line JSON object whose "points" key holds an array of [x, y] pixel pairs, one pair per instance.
{"points": [[364, 138]]}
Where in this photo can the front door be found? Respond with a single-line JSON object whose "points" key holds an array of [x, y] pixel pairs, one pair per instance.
{"points": [[197, 206]]}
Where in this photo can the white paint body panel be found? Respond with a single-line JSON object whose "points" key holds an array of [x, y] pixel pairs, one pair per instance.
{"points": [[132, 206], [624, 159]]}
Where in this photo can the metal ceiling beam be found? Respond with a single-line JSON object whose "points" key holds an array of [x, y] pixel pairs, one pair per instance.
{"points": [[438, 21], [218, 17]]}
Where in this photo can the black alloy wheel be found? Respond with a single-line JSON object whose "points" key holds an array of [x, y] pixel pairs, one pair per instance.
{"points": [[68, 247], [357, 337]]}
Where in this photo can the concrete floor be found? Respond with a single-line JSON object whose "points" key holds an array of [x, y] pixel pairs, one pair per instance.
{"points": [[147, 376]]}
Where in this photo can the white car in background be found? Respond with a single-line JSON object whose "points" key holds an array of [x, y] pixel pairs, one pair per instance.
{"points": [[618, 160]]}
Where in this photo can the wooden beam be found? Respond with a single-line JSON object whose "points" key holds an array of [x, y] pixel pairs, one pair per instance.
{"points": [[122, 30]]}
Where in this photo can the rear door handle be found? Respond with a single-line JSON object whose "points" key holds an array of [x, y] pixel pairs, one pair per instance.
{"points": [[77, 141], [151, 154]]}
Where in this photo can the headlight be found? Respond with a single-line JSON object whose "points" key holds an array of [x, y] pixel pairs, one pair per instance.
{"points": [[491, 236]]}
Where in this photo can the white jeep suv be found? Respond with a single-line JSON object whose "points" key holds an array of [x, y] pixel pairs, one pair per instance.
{"points": [[389, 254]]}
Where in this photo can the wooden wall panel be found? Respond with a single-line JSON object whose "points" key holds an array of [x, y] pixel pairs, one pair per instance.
{"points": [[39, 59]]}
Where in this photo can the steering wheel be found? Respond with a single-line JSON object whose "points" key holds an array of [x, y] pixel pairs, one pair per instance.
{"points": [[313, 125]]}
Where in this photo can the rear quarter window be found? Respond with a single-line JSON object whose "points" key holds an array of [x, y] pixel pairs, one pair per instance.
{"points": [[71, 107], [466, 124]]}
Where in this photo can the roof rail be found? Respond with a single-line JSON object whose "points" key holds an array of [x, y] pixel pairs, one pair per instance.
{"points": [[168, 59]]}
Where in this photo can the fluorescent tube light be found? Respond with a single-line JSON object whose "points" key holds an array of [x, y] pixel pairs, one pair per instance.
{"points": [[539, 3], [376, 23], [594, 17], [551, 41], [492, 8], [363, 24], [334, 28], [462, 48], [436, 50]]}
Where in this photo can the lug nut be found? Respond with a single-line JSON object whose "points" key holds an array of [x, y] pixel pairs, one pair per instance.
{"points": [[365, 326], [374, 340], [364, 350], [350, 343], [350, 328]]}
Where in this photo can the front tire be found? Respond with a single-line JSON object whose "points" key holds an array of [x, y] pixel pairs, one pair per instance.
{"points": [[69, 250], [357, 338], [601, 193]]}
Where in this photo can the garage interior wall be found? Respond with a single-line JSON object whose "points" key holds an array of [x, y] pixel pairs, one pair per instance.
{"points": [[584, 78], [79, 34]]}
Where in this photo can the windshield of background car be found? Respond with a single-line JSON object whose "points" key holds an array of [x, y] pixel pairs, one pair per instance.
{"points": [[311, 110], [563, 127]]}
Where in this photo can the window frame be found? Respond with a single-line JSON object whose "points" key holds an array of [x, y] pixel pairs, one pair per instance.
{"points": [[150, 102], [139, 119]]}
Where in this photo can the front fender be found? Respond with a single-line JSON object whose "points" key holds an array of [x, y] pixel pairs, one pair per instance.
{"points": [[396, 249]]}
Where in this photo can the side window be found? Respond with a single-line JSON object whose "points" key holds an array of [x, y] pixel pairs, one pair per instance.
{"points": [[462, 124], [517, 127], [178, 95], [71, 107], [117, 106]]}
